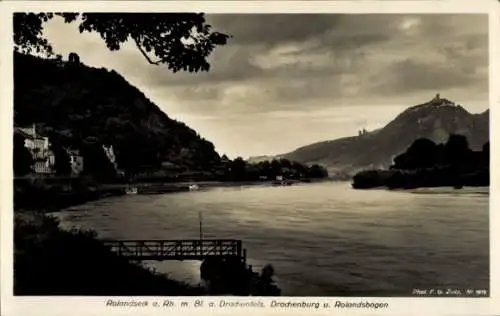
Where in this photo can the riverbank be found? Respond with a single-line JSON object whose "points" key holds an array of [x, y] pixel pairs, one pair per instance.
{"points": [[51, 193], [184, 185], [49, 260], [423, 178]]}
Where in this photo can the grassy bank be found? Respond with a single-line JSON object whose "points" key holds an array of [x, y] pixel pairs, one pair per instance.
{"points": [[35, 193], [51, 261]]}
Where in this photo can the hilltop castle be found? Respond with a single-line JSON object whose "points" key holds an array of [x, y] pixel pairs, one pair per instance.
{"points": [[437, 100]]}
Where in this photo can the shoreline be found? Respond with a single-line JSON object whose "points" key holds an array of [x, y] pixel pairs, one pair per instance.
{"points": [[51, 194], [76, 262], [59, 252], [423, 178]]}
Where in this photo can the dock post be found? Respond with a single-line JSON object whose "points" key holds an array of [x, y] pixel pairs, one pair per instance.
{"points": [[201, 234]]}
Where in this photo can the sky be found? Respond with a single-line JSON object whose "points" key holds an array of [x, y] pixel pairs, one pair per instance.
{"points": [[289, 80]]}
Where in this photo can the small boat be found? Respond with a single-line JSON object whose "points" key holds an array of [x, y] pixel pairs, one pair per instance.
{"points": [[194, 187], [131, 190], [282, 183]]}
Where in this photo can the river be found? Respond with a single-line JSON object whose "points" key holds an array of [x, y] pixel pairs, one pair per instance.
{"points": [[323, 239]]}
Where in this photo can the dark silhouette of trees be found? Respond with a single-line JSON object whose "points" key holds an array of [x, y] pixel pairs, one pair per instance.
{"points": [[425, 164], [456, 150], [240, 170], [422, 153], [316, 171], [62, 163], [229, 276], [96, 163], [485, 157], [180, 41], [23, 160], [59, 253]]}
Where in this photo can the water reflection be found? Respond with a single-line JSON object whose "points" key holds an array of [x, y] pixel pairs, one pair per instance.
{"points": [[319, 237]]}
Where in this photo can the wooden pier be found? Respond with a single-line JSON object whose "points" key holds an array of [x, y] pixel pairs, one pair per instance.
{"points": [[194, 249]]}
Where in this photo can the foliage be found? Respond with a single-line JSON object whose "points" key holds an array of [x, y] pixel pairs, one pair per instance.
{"points": [[62, 162], [76, 263], [456, 150], [425, 164], [421, 154], [96, 163], [230, 276], [240, 170], [424, 153], [23, 159], [28, 31], [181, 41]]}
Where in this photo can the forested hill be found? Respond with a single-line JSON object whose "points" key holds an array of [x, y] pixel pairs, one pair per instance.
{"points": [[79, 105], [435, 120]]}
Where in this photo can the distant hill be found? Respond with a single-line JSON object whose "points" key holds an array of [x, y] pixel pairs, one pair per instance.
{"points": [[434, 120], [77, 104], [257, 159]]}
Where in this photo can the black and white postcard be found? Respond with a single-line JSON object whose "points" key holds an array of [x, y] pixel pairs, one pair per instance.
{"points": [[249, 157]]}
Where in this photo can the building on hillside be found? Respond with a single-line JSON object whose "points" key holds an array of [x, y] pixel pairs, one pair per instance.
{"points": [[32, 140], [442, 101], [73, 58], [362, 132], [110, 153], [39, 147], [76, 161]]}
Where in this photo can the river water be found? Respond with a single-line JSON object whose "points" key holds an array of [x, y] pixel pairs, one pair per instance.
{"points": [[323, 239]]}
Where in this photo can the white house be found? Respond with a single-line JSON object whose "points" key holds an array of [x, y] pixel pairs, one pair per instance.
{"points": [[76, 161], [33, 141], [39, 147]]}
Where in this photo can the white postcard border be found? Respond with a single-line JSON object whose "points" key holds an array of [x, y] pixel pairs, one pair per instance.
{"points": [[52, 306]]}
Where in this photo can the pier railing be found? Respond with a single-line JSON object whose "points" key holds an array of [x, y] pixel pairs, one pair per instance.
{"points": [[194, 249]]}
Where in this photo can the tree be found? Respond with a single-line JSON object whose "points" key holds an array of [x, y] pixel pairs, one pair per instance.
{"points": [[96, 163], [422, 153], [486, 154], [62, 162], [181, 41], [22, 156], [238, 168], [317, 171], [456, 150]]}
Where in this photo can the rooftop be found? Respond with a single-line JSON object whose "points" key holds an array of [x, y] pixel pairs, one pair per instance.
{"points": [[28, 132]]}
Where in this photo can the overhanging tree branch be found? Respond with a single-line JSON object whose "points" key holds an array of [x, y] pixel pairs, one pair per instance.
{"points": [[156, 35], [144, 53]]}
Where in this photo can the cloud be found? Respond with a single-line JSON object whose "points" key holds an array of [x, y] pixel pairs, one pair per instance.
{"points": [[305, 63], [273, 29]]}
